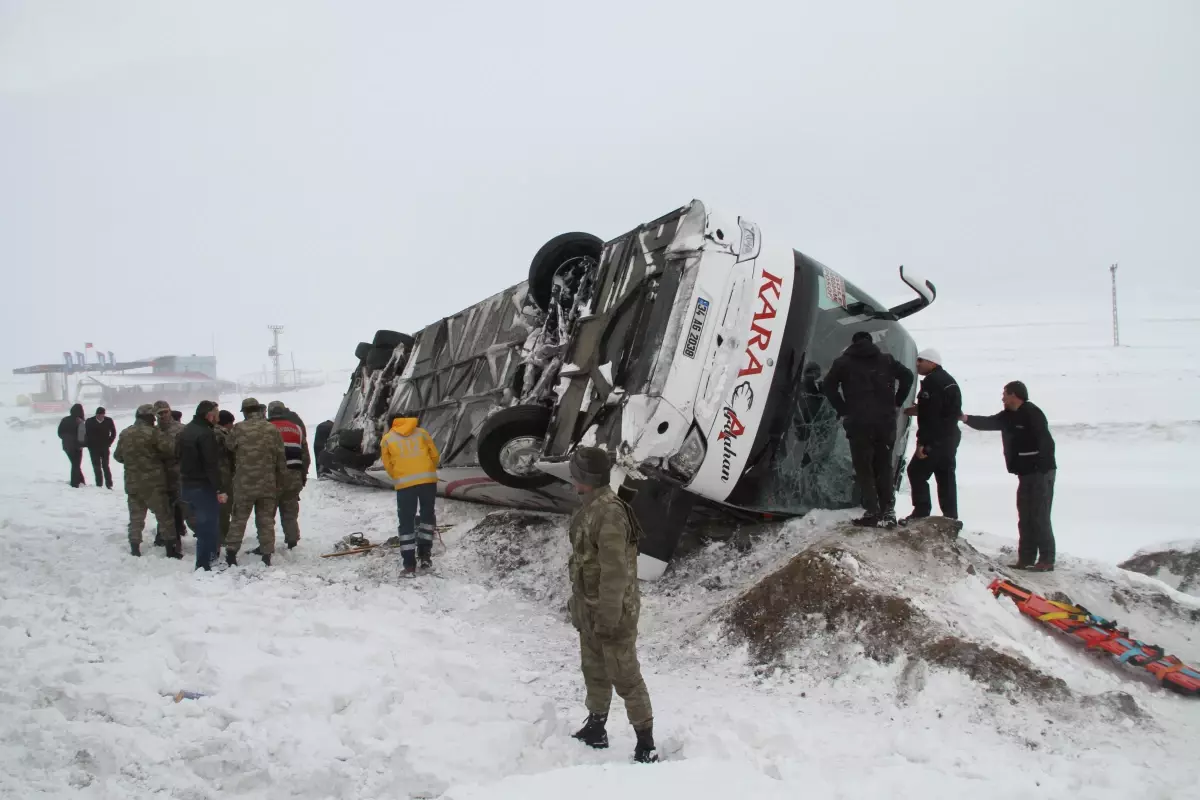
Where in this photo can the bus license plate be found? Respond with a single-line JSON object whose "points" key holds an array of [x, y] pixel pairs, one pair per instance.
{"points": [[696, 328]]}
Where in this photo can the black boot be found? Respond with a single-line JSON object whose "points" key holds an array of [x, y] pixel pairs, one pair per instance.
{"points": [[593, 733], [292, 545], [867, 520], [135, 549], [644, 752], [266, 559], [256, 551], [231, 557], [158, 540], [174, 550]]}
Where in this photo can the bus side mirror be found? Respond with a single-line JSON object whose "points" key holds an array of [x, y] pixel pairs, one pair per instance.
{"points": [[926, 294]]}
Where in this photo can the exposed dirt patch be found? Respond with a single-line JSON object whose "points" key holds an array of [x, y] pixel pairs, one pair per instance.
{"points": [[525, 551], [1183, 567], [826, 596], [813, 594], [998, 671]]}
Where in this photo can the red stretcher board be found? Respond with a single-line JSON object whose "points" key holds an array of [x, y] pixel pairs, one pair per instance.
{"points": [[1103, 635]]}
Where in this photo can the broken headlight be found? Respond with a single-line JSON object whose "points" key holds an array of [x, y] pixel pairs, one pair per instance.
{"points": [[690, 456]]}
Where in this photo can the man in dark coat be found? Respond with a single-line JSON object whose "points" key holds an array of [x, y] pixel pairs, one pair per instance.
{"points": [[72, 430], [100, 432], [939, 405], [867, 387], [1028, 454], [196, 450]]}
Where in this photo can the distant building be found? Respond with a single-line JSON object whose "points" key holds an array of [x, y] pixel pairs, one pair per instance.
{"points": [[183, 365]]}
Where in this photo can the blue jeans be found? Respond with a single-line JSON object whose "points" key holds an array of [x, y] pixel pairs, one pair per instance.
{"points": [[203, 501], [416, 540]]}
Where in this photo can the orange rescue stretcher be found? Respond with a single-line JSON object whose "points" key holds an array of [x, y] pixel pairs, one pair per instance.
{"points": [[1101, 634]]}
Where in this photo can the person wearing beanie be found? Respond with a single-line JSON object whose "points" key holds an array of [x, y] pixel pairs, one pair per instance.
{"points": [[72, 430], [938, 407], [258, 452], [147, 455], [225, 420], [200, 479], [1028, 454], [605, 603], [411, 459], [867, 387], [100, 433]]}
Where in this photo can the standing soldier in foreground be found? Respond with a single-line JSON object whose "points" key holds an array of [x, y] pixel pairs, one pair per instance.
{"points": [[867, 387], [1028, 454], [258, 453], [295, 449], [605, 604], [147, 454], [225, 459], [939, 405], [172, 428]]}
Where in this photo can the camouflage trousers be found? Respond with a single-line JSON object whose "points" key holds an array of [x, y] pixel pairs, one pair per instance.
{"points": [[289, 505], [224, 512], [264, 520], [612, 664], [156, 503]]}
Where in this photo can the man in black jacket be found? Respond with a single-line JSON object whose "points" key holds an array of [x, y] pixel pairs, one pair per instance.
{"points": [[939, 405], [100, 433], [200, 479], [1029, 454], [866, 387], [72, 430]]}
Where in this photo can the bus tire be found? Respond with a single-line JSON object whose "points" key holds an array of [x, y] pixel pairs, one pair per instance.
{"points": [[552, 255], [350, 439], [391, 339], [361, 352], [379, 357], [509, 434]]}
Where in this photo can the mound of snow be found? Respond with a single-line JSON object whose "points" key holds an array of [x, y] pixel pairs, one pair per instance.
{"points": [[1176, 564]]}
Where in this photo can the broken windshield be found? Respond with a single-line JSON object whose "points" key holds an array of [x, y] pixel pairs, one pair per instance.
{"points": [[811, 467]]}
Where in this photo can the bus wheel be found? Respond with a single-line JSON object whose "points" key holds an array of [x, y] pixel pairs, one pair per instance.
{"points": [[362, 351], [390, 339], [553, 255], [509, 444]]}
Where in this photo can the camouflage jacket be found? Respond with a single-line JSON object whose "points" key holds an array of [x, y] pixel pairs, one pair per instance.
{"points": [[147, 454], [604, 591], [258, 455], [172, 429], [224, 458]]}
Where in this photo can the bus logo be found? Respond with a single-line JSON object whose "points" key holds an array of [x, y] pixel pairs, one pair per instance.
{"points": [[692, 344]]}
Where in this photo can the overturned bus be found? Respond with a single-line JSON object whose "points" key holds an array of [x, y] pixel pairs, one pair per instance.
{"points": [[692, 348]]}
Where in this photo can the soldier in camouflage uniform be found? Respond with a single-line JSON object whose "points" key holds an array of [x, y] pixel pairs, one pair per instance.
{"points": [[260, 466], [168, 424], [147, 454], [605, 603], [295, 449], [225, 455]]}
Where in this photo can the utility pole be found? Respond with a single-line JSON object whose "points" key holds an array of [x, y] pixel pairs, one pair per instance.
{"points": [[274, 351], [1116, 331]]}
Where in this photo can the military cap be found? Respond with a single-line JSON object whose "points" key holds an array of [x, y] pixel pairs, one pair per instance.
{"points": [[590, 466], [145, 410], [250, 404], [161, 405], [275, 406]]}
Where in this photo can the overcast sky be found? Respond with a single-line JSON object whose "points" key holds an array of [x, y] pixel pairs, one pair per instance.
{"points": [[174, 172]]}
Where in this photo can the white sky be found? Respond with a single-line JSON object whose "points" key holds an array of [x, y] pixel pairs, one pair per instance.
{"points": [[171, 172]]}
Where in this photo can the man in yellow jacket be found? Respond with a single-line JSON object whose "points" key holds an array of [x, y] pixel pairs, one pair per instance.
{"points": [[411, 460]]}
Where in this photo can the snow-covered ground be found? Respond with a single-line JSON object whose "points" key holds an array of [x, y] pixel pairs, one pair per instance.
{"points": [[332, 679]]}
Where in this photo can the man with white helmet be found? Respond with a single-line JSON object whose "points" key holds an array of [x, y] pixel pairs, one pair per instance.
{"points": [[938, 408]]}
